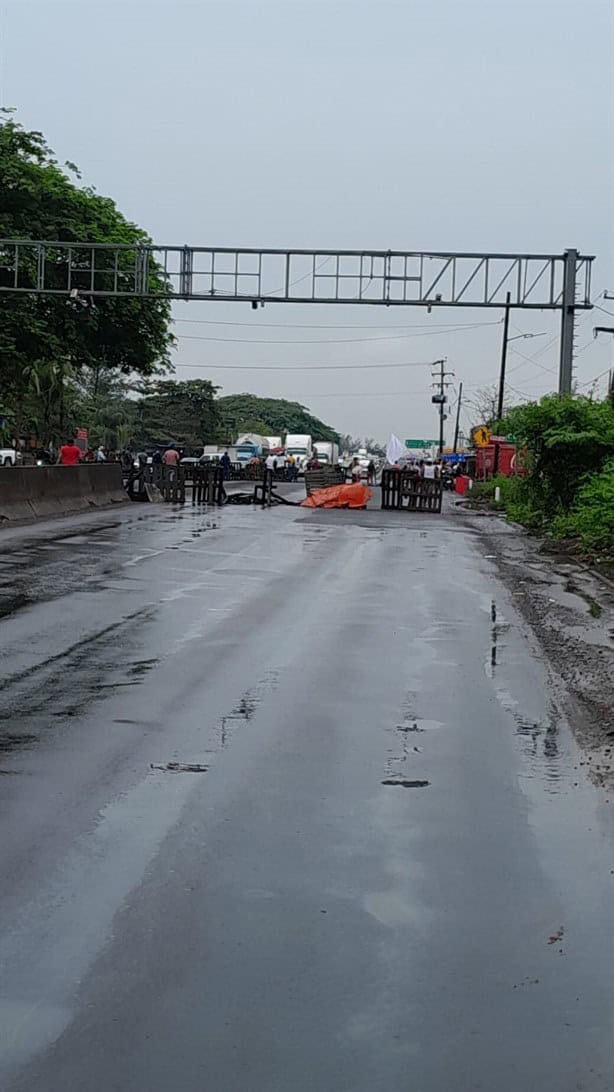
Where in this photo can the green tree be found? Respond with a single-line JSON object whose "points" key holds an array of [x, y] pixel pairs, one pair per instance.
{"points": [[567, 439], [591, 518], [185, 412], [253, 424], [101, 403], [279, 415], [40, 201]]}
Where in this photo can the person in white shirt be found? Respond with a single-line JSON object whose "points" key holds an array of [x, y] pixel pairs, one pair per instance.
{"points": [[430, 471]]}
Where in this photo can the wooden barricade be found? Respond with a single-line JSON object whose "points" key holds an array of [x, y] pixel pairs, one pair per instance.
{"points": [[168, 480], [263, 490], [208, 484], [322, 478], [402, 489]]}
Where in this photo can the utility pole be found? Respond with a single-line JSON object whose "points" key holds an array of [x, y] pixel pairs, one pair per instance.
{"points": [[458, 409], [607, 330], [568, 314], [440, 398], [506, 328]]}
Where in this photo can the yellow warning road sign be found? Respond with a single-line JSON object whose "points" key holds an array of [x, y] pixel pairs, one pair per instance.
{"points": [[481, 436]]}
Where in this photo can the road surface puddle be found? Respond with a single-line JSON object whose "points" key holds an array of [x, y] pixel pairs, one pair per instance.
{"points": [[179, 767], [246, 707], [10, 743], [403, 783]]}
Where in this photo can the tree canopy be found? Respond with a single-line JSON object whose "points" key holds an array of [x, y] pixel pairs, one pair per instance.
{"points": [[39, 334], [185, 412], [567, 438], [238, 411]]}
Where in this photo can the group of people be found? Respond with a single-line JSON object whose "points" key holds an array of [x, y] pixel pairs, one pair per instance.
{"points": [[432, 469], [356, 471], [70, 454], [287, 462]]}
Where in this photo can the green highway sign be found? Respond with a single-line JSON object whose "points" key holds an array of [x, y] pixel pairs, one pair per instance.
{"points": [[511, 439], [420, 443]]}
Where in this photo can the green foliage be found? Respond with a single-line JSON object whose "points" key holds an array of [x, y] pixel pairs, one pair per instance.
{"points": [[250, 424], [567, 439], [39, 201], [591, 519], [510, 490], [279, 416], [184, 412], [101, 404]]}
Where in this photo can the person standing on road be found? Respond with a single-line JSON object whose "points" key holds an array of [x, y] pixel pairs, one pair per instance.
{"points": [[70, 454], [171, 456], [371, 474], [100, 455], [356, 471], [225, 465], [170, 459], [126, 460]]}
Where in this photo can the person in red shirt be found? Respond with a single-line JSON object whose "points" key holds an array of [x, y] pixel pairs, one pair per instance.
{"points": [[171, 456], [69, 455]]}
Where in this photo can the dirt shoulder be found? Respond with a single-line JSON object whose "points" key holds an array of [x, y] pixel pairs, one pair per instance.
{"points": [[571, 611]]}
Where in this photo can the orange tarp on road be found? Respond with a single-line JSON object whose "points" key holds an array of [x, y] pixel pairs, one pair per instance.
{"points": [[339, 496]]}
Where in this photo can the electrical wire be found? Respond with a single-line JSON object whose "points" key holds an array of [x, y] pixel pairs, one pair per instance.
{"points": [[332, 326], [371, 394], [588, 382], [330, 341], [303, 367]]}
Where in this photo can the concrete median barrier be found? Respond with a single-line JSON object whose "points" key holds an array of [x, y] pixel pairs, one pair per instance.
{"points": [[34, 492]]}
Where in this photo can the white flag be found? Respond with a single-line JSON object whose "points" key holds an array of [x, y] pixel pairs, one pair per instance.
{"points": [[395, 449]]}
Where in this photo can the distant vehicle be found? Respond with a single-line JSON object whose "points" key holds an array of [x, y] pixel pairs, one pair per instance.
{"points": [[328, 453], [9, 457], [299, 445], [251, 446]]}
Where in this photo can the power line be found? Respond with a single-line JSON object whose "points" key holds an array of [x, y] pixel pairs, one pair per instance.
{"points": [[332, 341], [370, 394], [332, 326], [303, 367], [588, 382], [530, 360]]}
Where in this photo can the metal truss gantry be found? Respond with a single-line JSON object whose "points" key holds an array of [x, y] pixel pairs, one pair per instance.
{"points": [[258, 276]]}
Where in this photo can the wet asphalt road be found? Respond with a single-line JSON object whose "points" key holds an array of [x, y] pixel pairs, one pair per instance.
{"points": [[293, 918]]}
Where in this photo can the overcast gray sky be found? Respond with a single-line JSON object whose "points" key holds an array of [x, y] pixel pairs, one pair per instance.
{"points": [[480, 125]]}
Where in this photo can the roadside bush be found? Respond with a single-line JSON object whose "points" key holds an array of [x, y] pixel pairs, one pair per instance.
{"points": [[567, 438], [519, 502], [591, 519]]}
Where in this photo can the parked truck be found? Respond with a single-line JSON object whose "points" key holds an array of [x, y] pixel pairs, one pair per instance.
{"points": [[328, 453], [250, 446], [301, 447]]}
